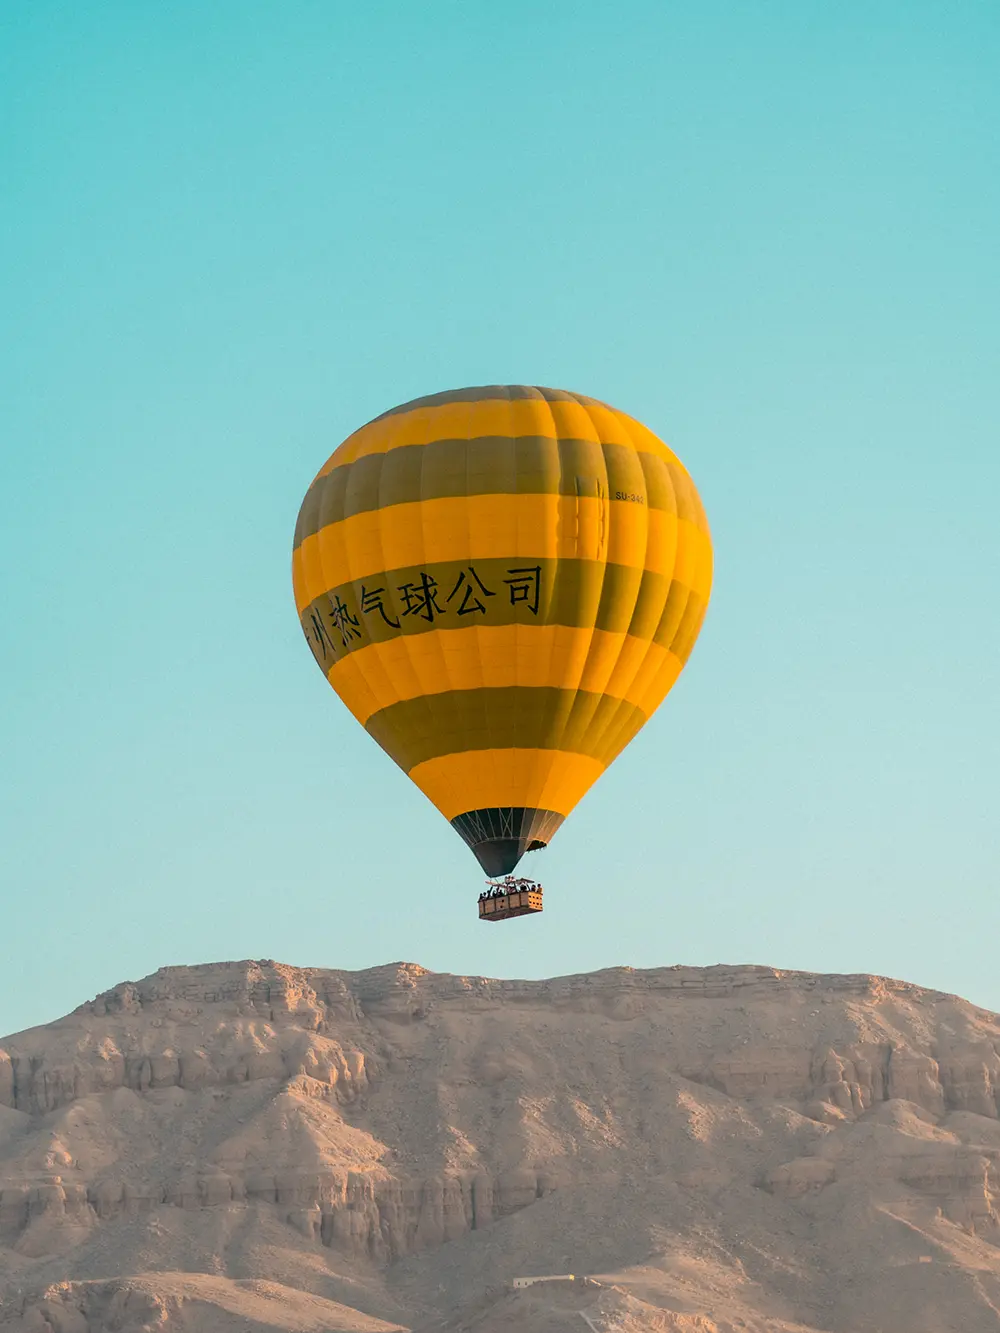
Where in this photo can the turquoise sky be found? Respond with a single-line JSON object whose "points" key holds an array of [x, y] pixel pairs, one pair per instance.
{"points": [[232, 233]]}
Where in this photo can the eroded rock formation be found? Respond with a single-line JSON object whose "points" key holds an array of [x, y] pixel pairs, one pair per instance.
{"points": [[425, 1135]]}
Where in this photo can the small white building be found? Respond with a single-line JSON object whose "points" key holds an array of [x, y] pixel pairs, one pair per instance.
{"points": [[521, 1282]]}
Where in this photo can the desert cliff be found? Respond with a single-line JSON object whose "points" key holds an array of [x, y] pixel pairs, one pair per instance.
{"points": [[256, 1146]]}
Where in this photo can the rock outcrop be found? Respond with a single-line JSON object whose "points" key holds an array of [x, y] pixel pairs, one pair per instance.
{"points": [[725, 1143]]}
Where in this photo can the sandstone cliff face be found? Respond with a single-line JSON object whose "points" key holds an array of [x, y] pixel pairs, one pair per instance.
{"points": [[722, 1144]]}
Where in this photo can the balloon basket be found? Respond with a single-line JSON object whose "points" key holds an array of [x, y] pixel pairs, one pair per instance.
{"points": [[508, 898]]}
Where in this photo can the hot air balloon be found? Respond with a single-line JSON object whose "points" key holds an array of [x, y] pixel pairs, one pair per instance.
{"points": [[502, 584]]}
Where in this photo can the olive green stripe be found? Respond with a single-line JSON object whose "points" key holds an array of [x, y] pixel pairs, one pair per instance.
{"points": [[530, 718], [496, 465], [574, 593], [482, 393]]}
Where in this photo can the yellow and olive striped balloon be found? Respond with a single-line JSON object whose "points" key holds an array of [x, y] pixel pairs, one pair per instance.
{"points": [[502, 584]]}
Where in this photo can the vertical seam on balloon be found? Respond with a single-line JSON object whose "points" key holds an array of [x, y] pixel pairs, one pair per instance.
{"points": [[535, 775], [328, 579], [689, 586], [554, 636], [468, 546], [638, 667], [446, 673], [538, 774], [607, 482], [404, 638], [479, 654], [354, 583], [516, 545], [442, 655], [609, 727], [382, 479], [568, 716]]}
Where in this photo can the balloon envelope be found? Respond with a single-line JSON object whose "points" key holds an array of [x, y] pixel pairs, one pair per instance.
{"points": [[502, 584]]}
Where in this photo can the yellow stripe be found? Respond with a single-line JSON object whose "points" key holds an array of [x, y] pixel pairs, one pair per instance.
{"points": [[499, 656], [518, 527], [480, 779], [460, 421]]}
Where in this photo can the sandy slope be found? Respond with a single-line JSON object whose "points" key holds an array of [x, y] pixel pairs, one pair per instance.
{"points": [[194, 1303], [254, 1146]]}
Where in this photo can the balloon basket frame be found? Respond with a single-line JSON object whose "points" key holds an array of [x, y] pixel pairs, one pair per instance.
{"points": [[517, 897]]}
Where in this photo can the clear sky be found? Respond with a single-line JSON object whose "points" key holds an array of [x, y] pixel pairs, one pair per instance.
{"points": [[232, 233]]}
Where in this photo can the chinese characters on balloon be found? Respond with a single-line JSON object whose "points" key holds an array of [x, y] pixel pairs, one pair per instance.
{"points": [[422, 597]]}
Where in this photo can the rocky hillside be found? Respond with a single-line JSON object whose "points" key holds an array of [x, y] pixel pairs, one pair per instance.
{"points": [[253, 1146]]}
